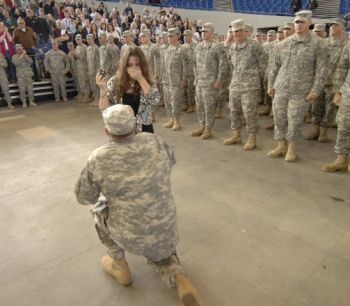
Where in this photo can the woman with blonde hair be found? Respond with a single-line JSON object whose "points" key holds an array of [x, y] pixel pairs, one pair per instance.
{"points": [[132, 85]]}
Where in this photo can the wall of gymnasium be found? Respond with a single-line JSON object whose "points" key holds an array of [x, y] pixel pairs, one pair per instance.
{"points": [[220, 19]]}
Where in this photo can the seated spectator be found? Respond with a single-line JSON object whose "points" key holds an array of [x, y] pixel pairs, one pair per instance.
{"points": [[94, 31], [49, 7], [111, 30], [67, 23], [103, 28], [9, 21], [125, 24], [82, 31]]}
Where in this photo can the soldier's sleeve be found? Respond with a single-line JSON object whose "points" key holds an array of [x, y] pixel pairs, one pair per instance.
{"points": [[156, 58], [28, 59], [109, 59], [342, 69], [3, 62], [320, 68], [261, 57], [229, 55], [194, 65], [169, 150], [66, 60], [46, 61], [15, 60], [87, 190], [221, 63], [184, 64], [275, 67], [98, 57]]}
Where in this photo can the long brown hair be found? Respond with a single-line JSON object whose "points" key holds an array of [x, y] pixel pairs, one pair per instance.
{"points": [[123, 80]]}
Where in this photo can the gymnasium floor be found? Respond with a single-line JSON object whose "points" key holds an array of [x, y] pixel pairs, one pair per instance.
{"points": [[253, 230]]}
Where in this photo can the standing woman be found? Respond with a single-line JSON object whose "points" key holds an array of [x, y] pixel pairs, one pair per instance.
{"points": [[132, 85]]}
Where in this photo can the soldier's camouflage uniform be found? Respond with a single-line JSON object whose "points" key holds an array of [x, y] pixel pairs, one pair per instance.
{"points": [[152, 56], [224, 92], [24, 74], [4, 83], [248, 64], [93, 59], [299, 68], [161, 69], [106, 60], [115, 53], [342, 84], [190, 89], [269, 48], [134, 178], [208, 68], [73, 68], [324, 111], [175, 67], [57, 62], [82, 70]]}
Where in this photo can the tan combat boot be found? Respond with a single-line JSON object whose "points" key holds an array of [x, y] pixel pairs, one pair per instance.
{"points": [[323, 135], [266, 111], [198, 132], [190, 108], [32, 103], [280, 150], [235, 138], [308, 118], [251, 143], [188, 295], [313, 135], [10, 105], [207, 133], [218, 113], [85, 99], [79, 97], [169, 124], [118, 269], [291, 155], [176, 125], [340, 164]]}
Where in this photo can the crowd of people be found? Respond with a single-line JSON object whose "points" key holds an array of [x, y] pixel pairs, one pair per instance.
{"points": [[191, 66]]}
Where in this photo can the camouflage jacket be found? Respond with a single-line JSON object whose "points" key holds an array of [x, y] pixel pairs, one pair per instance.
{"points": [[299, 65], [175, 65], [23, 65], [93, 59], [56, 61], [134, 177]]}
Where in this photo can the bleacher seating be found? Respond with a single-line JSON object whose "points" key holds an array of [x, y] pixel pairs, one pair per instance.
{"points": [[187, 4]]}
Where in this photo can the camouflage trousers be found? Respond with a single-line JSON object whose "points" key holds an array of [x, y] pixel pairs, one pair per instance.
{"points": [[190, 92], [323, 109], [75, 78], [342, 145], [93, 86], [83, 82], [58, 80], [267, 98], [173, 99], [167, 267], [289, 111], [224, 95], [206, 99], [246, 102], [25, 85], [4, 84]]}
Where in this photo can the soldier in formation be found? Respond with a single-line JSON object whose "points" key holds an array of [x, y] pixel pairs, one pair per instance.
{"points": [[82, 70], [73, 63], [4, 83], [56, 62], [24, 74], [93, 60]]}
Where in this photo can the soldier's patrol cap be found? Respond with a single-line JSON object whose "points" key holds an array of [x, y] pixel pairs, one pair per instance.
{"points": [[288, 25], [78, 36], [70, 43], [145, 32], [259, 34], [119, 119], [54, 42], [249, 28], [303, 16], [90, 36], [280, 30], [173, 32], [208, 27], [318, 27], [18, 46], [188, 32], [237, 25], [102, 34], [271, 33], [338, 21], [127, 33]]}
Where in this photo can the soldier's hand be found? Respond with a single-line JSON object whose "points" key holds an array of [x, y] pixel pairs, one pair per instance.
{"points": [[101, 82], [270, 92], [337, 98], [216, 85], [311, 97]]}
